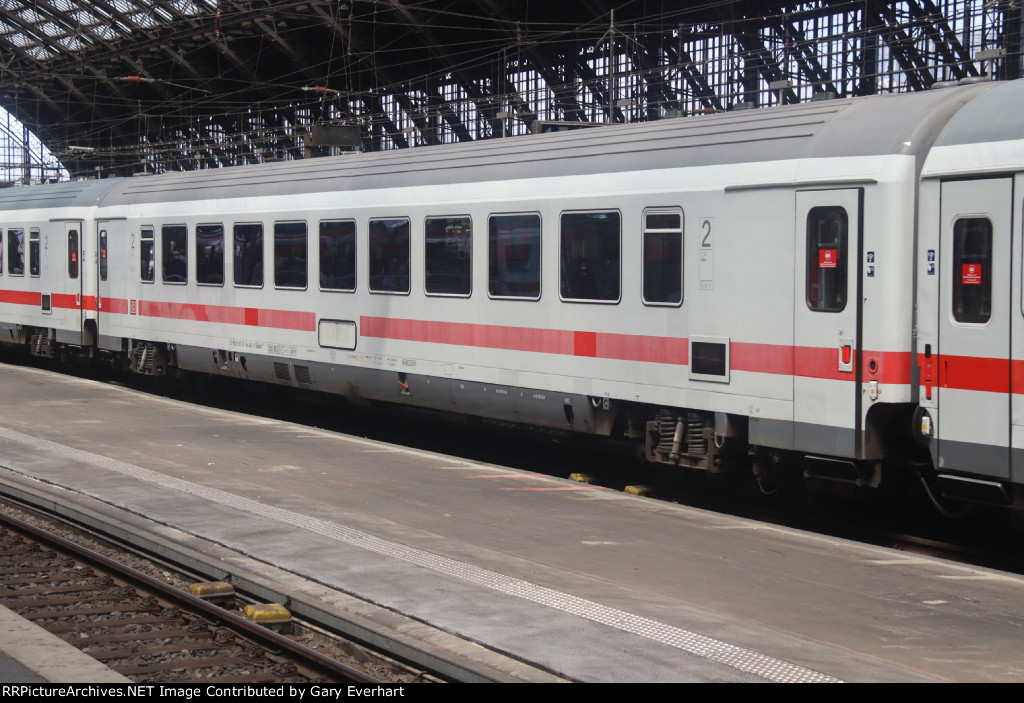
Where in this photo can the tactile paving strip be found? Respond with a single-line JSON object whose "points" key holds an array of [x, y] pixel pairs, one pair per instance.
{"points": [[739, 658]]}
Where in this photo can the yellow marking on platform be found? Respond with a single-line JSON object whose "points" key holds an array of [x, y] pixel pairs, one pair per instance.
{"points": [[638, 490]]}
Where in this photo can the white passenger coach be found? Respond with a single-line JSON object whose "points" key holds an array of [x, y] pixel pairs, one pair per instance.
{"points": [[832, 288]]}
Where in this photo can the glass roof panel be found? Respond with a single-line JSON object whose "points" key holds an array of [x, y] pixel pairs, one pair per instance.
{"points": [[37, 27]]}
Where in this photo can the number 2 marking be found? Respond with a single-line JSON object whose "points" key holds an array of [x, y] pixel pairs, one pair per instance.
{"points": [[705, 242]]}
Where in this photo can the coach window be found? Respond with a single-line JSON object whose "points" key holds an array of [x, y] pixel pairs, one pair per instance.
{"points": [[210, 255], [663, 257], [16, 252], [33, 253], [290, 258], [513, 245], [972, 270], [827, 237], [103, 254], [249, 255], [73, 253], [338, 255], [174, 253], [589, 266], [147, 255], [1, 252], [449, 255], [389, 255]]}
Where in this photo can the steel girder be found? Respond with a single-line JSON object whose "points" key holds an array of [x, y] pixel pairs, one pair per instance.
{"points": [[186, 83]]}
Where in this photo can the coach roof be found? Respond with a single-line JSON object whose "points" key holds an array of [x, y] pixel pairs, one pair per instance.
{"points": [[880, 125]]}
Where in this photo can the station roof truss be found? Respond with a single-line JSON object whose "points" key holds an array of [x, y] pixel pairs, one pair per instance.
{"points": [[132, 86]]}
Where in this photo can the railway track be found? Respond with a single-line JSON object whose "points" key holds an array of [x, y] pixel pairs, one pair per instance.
{"points": [[146, 629]]}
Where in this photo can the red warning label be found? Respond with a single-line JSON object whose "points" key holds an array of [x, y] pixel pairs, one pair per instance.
{"points": [[827, 258], [971, 275]]}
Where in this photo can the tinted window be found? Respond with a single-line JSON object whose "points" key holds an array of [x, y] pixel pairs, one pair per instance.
{"points": [[449, 255], [16, 252], [33, 253], [249, 255], [827, 238], [389, 255], [338, 255], [174, 250], [590, 256], [972, 270], [147, 251], [513, 246], [210, 254], [663, 258], [290, 258], [103, 254], [73, 253]]}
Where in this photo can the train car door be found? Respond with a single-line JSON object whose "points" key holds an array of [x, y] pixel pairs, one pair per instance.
{"points": [[826, 336], [73, 288], [101, 273], [973, 427]]}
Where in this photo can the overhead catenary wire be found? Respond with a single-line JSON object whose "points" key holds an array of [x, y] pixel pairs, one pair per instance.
{"points": [[472, 45]]}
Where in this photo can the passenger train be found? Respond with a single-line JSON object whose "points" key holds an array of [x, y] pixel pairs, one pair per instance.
{"points": [[832, 289]]}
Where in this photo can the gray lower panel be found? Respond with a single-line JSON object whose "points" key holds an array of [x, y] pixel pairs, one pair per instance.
{"points": [[806, 437], [977, 459], [570, 412], [109, 343], [73, 337]]}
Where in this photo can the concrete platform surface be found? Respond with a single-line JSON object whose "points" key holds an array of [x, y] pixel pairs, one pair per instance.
{"points": [[528, 577], [30, 654]]}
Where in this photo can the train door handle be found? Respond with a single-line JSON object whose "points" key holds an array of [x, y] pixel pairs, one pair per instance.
{"points": [[846, 355]]}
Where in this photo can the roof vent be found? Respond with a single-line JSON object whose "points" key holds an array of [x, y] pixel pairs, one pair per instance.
{"points": [[823, 95]]}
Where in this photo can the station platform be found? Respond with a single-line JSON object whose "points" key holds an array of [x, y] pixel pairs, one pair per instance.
{"points": [[494, 573], [30, 655]]}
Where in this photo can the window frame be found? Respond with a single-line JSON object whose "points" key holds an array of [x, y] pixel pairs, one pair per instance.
{"points": [[540, 255], [163, 254], [195, 238], [561, 254], [355, 255], [644, 231], [16, 231], [813, 252], [261, 249], [305, 229], [74, 253], [104, 244], [408, 260], [35, 253], [151, 240], [427, 275], [957, 286]]}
